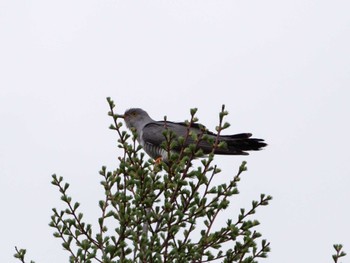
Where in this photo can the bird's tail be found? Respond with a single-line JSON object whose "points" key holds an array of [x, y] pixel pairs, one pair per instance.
{"points": [[239, 144]]}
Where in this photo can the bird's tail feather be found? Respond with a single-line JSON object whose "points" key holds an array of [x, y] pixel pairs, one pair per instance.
{"points": [[238, 144]]}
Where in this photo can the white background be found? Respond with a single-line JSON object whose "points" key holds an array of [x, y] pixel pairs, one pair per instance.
{"points": [[282, 68]]}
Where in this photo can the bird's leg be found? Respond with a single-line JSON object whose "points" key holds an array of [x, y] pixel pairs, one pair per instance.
{"points": [[158, 160]]}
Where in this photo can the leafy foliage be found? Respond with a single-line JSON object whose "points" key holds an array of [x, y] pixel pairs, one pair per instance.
{"points": [[20, 254], [338, 248], [161, 212]]}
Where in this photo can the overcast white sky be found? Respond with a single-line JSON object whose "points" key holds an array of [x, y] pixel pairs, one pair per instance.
{"points": [[281, 67]]}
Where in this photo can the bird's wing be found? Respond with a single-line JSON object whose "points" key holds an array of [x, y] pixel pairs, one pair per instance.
{"points": [[236, 144], [153, 133]]}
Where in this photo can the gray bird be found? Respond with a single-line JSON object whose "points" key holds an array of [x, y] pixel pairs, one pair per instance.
{"points": [[150, 135]]}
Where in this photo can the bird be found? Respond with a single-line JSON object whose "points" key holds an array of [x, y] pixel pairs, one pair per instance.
{"points": [[150, 135]]}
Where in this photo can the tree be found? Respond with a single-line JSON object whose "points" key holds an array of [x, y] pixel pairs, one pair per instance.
{"points": [[161, 212]]}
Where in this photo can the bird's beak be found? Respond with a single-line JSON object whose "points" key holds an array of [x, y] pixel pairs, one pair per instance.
{"points": [[120, 116]]}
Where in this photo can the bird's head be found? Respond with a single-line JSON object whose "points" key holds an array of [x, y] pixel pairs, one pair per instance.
{"points": [[136, 118]]}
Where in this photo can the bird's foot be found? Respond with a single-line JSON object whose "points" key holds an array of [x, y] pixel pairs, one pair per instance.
{"points": [[158, 160]]}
